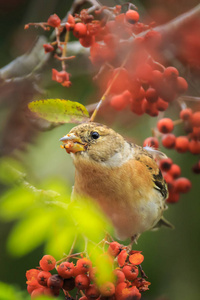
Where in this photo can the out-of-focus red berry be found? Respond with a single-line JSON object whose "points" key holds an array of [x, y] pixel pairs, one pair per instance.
{"points": [[87, 41], [54, 21], [181, 85], [107, 289], [70, 22], [165, 125], [48, 48], [132, 16], [182, 185], [186, 114], [194, 146], [196, 168], [161, 104], [175, 171], [47, 263], [92, 292], [151, 95], [169, 141], [82, 281], [165, 164], [80, 30], [151, 142], [171, 73], [120, 277], [182, 144], [173, 197], [196, 119], [150, 108], [37, 292]]}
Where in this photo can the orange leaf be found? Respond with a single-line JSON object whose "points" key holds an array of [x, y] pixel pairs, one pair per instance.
{"points": [[136, 258]]}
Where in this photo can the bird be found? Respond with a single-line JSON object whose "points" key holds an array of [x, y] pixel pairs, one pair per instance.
{"points": [[123, 178]]}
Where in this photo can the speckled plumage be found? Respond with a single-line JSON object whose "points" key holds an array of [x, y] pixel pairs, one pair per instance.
{"points": [[122, 177]]}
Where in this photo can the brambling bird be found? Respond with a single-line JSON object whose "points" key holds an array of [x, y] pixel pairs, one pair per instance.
{"points": [[122, 177]]}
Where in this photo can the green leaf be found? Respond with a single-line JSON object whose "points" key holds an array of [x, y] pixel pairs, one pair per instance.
{"points": [[15, 203], [59, 111], [29, 233]]}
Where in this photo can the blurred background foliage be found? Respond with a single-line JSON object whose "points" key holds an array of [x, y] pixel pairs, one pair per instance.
{"points": [[30, 227]]}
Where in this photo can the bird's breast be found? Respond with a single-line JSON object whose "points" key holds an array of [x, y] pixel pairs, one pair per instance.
{"points": [[125, 194]]}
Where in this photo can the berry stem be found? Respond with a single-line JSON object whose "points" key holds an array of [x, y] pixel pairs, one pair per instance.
{"points": [[103, 98], [176, 122]]}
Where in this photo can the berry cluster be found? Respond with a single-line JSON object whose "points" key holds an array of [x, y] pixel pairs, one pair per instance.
{"points": [[82, 277], [176, 184], [122, 47]]}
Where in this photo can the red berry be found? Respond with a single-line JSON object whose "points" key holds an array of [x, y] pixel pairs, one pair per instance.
{"points": [[114, 248], [48, 48], [121, 83], [165, 125], [54, 21], [171, 73], [120, 277], [83, 265], [182, 185], [32, 274], [175, 171], [43, 277], [69, 284], [173, 197], [137, 108], [87, 40], [181, 85], [151, 142], [119, 102], [82, 281], [37, 292], [186, 114], [136, 258], [161, 104], [80, 30], [196, 119], [130, 272], [196, 168], [132, 16], [66, 269], [107, 289], [151, 95], [47, 263], [55, 282], [92, 292], [156, 78], [70, 22], [182, 144], [169, 141], [122, 258], [165, 164], [150, 108], [194, 147]]}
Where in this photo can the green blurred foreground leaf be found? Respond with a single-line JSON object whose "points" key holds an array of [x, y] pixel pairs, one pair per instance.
{"points": [[46, 217], [59, 111]]}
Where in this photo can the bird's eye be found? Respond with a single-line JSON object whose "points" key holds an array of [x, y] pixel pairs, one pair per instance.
{"points": [[94, 135]]}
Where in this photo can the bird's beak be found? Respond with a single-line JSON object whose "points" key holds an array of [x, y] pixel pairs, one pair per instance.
{"points": [[72, 143]]}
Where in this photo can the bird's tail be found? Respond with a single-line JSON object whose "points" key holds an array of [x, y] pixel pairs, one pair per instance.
{"points": [[163, 222]]}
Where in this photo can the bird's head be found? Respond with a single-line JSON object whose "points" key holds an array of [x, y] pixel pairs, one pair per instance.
{"points": [[93, 141]]}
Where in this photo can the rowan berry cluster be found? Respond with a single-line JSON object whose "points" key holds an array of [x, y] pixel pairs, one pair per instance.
{"points": [[122, 47], [82, 277]]}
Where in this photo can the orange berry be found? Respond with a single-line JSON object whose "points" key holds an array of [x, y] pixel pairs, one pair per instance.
{"points": [[169, 141], [171, 73], [114, 248], [186, 114], [82, 281], [196, 119], [194, 147], [122, 258], [131, 272], [54, 21], [136, 258], [181, 85], [151, 142], [161, 104], [173, 197], [182, 144], [92, 292], [80, 30], [165, 125], [120, 277], [132, 16], [66, 269], [165, 164], [182, 185], [107, 289], [47, 263], [151, 95], [87, 40], [175, 171]]}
